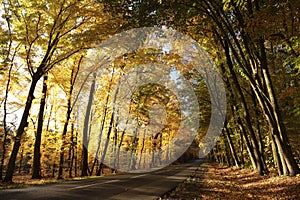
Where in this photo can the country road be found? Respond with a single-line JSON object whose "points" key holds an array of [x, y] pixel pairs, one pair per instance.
{"points": [[124, 186]]}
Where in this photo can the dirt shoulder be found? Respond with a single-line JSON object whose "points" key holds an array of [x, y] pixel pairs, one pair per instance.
{"points": [[212, 181]]}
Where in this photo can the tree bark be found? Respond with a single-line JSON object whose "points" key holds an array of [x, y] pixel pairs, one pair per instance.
{"points": [[96, 160], [247, 118], [36, 167], [100, 170], [231, 146], [74, 74], [111, 124], [87, 119], [5, 122], [23, 124], [72, 151], [64, 133], [275, 120]]}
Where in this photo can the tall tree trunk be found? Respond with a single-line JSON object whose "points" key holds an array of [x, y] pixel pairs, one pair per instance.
{"points": [[227, 154], [133, 161], [53, 169], [96, 160], [11, 163], [64, 133], [142, 149], [5, 122], [114, 169], [36, 167], [247, 118], [74, 74], [111, 124], [241, 149], [100, 170], [258, 127], [231, 146], [76, 154], [231, 84], [72, 152], [276, 157], [69, 158], [6, 62], [3, 147], [119, 146], [279, 129], [86, 126], [257, 72]]}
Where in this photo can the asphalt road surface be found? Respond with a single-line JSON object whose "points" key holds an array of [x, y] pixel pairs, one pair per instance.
{"points": [[145, 186]]}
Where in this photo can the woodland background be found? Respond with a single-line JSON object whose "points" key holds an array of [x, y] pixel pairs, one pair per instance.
{"points": [[254, 44]]}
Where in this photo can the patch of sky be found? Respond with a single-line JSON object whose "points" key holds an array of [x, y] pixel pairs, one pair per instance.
{"points": [[174, 74], [153, 12], [166, 48]]}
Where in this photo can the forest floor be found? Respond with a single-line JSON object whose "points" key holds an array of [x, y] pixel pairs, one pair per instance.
{"points": [[212, 181]]}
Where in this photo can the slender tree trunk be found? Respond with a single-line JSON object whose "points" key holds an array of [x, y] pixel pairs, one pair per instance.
{"points": [[69, 158], [142, 149], [241, 143], [102, 125], [132, 163], [275, 120], [6, 62], [62, 148], [235, 109], [119, 146], [276, 157], [227, 154], [36, 167], [11, 163], [247, 142], [71, 151], [76, 154], [259, 78], [87, 119], [246, 113], [258, 127], [100, 170], [74, 74], [53, 170], [96, 160], [114, 169], [216, 154], [231, 146], [3, 148], [111, 124], [100, 133], [5, 122]]}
